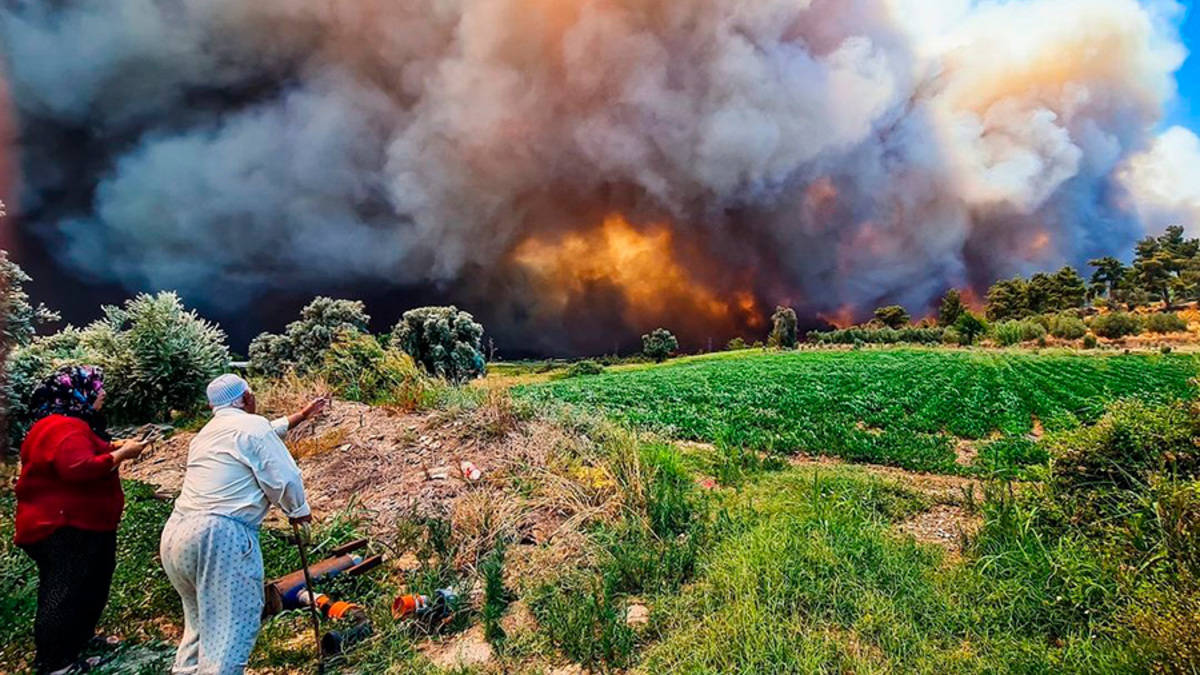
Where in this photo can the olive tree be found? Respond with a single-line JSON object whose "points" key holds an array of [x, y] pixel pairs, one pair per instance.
{"points": [[445, 341], [659, 344]]}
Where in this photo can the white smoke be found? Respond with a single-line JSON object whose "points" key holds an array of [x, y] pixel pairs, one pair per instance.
{"points": [[836, 152]]}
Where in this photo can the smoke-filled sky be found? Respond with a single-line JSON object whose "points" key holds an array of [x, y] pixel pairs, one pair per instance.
{"points": [[576, 172]]}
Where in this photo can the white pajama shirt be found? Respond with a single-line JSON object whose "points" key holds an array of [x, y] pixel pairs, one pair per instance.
{"points": [[237, 468]]}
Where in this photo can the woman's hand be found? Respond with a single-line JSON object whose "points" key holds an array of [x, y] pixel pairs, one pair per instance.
{"points": [[127, 450]]}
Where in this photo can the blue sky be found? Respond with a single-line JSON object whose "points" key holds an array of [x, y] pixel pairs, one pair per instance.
{"points": [[1186, 110]]}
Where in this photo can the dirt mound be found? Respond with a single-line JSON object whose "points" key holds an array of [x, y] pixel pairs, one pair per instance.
{"points": [[388, 462]]}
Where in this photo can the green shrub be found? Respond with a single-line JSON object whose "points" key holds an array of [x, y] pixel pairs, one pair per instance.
{"points": [[951, 336], [1089, 341], [659, 344], [736, 344], [1067, 327], [969, 327], [1007, 333], [445, 342], [19, 319], [302, 346], [157, 358], [878, 336], [358, 368], [585, 367], [892, 316], [1116, 325], [1007, 457], [1165, 323]]}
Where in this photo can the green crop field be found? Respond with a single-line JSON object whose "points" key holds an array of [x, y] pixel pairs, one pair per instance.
{"points": [[908, 408]]}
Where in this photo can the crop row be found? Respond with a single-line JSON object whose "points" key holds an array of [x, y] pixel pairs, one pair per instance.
{"points": [[904, 407]]}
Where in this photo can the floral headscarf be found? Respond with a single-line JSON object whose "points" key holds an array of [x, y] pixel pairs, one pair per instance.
{"points": [[72, 391]]}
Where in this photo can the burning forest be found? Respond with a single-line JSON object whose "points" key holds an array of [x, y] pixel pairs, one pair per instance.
{"points": [[578, 172]]}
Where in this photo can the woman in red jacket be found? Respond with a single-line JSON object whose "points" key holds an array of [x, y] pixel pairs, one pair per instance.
{"points": [[69, 503]]}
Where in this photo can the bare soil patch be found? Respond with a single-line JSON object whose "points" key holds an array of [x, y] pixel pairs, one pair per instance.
{"points": [[945, 525]]}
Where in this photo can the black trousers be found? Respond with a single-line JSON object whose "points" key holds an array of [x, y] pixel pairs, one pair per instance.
{"points": [[75, 569]]}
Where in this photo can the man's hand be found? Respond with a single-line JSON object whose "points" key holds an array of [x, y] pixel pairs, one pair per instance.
{"points": [[302, 526], [127, 449], [313, 408]]}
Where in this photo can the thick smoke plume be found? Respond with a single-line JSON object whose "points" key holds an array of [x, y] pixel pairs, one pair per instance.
{"points": [[581, 170]]}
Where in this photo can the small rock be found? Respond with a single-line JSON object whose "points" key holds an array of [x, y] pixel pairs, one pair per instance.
{"points": [[637, 615]]}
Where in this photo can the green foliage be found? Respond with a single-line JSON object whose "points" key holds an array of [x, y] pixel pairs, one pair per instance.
{"points": [[1008, 333], [783, 328], [1165, 323], [659, 344], [950, 308], [19, 319], [1116, 325], [880, 336], [584, 617], [1067, 327], [1090, 342], [1008, 300], [1109, 275], [584, 367], [1007, 458], [446, 342], [358, 368], [897, 407], [969, 327], [892, 316], [736, 344], [157, 358], [303, 345], [496, 597]]}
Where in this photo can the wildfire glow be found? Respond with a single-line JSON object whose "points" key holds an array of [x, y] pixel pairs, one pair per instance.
{"points": [[842, 318], [639, 264]]}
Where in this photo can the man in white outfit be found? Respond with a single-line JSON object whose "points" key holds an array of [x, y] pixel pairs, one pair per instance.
{"points": [[237, 468]]}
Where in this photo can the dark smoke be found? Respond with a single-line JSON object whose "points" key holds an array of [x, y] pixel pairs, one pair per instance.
{"points": [[824, 153]]}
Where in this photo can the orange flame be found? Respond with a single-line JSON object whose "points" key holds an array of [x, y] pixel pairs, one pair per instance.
{"points": [[842, 318], [639, 264]]}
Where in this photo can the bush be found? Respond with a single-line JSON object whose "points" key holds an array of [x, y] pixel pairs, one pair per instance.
{"points": [[882, 336], [446, 342], [18, 318], [736, 344], [1165, 323], [157, 358], [783, 330], [585, 367], [951, 336], [1116, 325], [1067, 327], [1009, 333], [659, 344], [302, 346], [969, 327], [1089, 342], [358, 368], [893, 316]]}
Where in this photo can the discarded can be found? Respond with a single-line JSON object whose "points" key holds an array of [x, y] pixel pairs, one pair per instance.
{"points": [[470, 471]]}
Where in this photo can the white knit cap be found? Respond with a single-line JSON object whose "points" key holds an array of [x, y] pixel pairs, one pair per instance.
{"points": [[225, 390]]}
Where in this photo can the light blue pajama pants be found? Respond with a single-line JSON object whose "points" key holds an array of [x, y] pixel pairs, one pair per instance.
{"points": [[215, 564]]}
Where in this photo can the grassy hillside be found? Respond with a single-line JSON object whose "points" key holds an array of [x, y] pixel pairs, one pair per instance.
{"points": [[903, 407]]}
